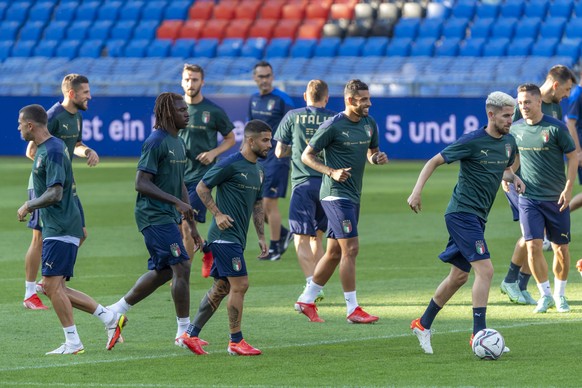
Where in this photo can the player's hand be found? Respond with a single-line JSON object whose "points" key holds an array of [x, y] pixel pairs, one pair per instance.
{"points": [[380, 158], [518, 184], [223, 221], [23, 212], [185, 210], [565, 198], [198, 240], [92, 158], [206, 157], [505, 185], [341, 174], [579, 154], [415, 202], [264, 249]]}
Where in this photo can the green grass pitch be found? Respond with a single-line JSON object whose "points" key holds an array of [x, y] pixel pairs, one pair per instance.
{"points": [[398, 270]]}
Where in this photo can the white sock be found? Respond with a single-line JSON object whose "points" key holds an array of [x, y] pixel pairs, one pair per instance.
{"points": [[30, 289], [120, 307], [105, 315], [71, 335], [308, 279], [351, 301], [559, 288], [310, 293], [544, 288], [183, 324]]}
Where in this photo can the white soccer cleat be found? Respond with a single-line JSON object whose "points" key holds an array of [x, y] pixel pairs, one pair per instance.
{"points": [[68, 349], [423, 335]]}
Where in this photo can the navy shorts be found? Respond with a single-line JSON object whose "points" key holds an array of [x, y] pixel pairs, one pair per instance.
{"points": [[229, 260], [276, 179], [535, 215], [306, 215], [58, 258], [342, 218], [34, 222], [466, 240], [164, 243], [513, 199], [196, 203]]}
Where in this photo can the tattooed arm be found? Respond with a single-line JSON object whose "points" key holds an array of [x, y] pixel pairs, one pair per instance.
{"points": [[223, 221], [259, 221]]}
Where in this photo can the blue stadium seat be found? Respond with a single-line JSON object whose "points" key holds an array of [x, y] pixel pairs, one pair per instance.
{"points": [[31, 31], [109, 10], [131, 10], [496, 47], [351, 47], [3, 7], [561, 9], [159, 48], [406, 28], [206, 47], [87, 11], [569, 48], [55, 30], [375, 46], [177, 10], [430, 28], [23, 48], [472, 47], [65, 12], [447, 47], [182, 48], [544, 47], [303, 48], [41, 11], [464, 10], [278, 48], [100, 29], [423, 47], [481, 27], [46, 48], [487, 10], [253, 48], [5, 48], [68, 49], [153, 10], [229, 47], [123, 29], [578, 9], [91, 48], [17, 12], [512, 9], [574, 28], [455, 28], [537, 9], [136, 48], [436, 10], [399, 47], [8, 30], [327, 47], [504, 28], [114, 47], [553, 27], [520, 47], [146, 29], [528, 27], [78, 30]]}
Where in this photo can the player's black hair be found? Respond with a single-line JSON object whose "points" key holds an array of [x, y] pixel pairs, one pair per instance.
{"points": [[254, 127], [164, 110], [561, 74], [530, 88], [72, 82], [35, 113], [353, 87], [262, 64]]}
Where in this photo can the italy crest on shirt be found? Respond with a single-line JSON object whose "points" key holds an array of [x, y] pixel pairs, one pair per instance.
{"points": [[205, 117], [546, 135], [508, 150]]}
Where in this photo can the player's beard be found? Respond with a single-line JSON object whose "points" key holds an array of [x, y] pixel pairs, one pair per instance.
{"points": [[193, 93], [80, 106], [360, 111]]}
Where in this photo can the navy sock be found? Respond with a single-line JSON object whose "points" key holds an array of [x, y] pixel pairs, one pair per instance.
{"points": [[274, 246], [284, 232], [512, 273], [236, 337], [523, 279], [479, 315], [430, 314], [193, 331]]}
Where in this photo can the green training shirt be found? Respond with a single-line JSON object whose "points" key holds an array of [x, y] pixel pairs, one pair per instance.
{"points": [[483, 160], [548, 108], [163, 156], [345, 144], [200, 135], [66, 126], [238, 185], [542, 147], [51, 167]]}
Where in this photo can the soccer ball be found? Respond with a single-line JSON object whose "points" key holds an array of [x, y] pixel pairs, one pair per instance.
{"points": [[579, 266], [488, 344]]}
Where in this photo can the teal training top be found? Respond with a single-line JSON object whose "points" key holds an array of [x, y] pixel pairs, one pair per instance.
{"points": [[66, 126], [483, 160]]}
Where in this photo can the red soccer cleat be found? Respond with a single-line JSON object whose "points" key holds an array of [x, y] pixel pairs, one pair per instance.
{"points": [[309, 310], [242, 348], [360, 316], [194, 344], [579, 266], [207, 260], [34, 303]]}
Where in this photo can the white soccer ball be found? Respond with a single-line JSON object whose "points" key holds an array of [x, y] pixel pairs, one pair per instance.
{"points": [[488, 344]]}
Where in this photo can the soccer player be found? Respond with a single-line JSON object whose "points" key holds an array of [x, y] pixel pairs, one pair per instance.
{"points": [[270, 105], [238, 180], [543, 141], [307, 220], [207, 120], [486, 156], [65, 122], [574, 124], [555, 88], [348, 139], [162, 204], [52, 178]]}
